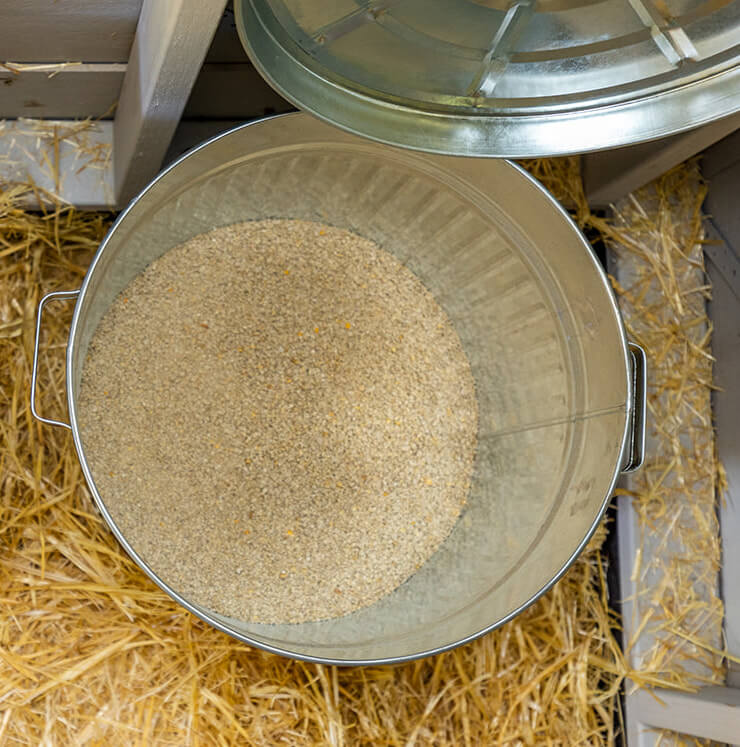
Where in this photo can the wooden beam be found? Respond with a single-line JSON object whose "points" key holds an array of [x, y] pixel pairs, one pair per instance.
{"points": [[74, 91], [68, 30], [612, 174], [60, 90], [712, 713], [233, 91], [172, 38], [721, 166]]}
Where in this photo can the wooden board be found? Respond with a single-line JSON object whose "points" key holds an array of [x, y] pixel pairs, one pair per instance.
{"points": [[721, 167], [610, 175], [74, 91], [59, 91], [67, 30], [712, 713], [69, 160], [725, 312], [170, 45]]}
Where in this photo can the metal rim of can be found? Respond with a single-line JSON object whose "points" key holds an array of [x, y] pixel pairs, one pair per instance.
{"points": [[98, 265]]}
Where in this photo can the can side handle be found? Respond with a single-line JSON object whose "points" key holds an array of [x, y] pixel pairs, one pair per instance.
{"points": [[55, 296], [638, 416]]}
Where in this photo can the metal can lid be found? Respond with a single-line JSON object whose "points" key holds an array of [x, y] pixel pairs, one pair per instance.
{"points": [[495, 78]]}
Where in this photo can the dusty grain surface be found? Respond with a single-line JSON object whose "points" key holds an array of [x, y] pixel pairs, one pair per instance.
{"points": [[281, 419]]}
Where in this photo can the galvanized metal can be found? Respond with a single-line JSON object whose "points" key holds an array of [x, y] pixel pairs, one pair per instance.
{"points": [[560, 390]]}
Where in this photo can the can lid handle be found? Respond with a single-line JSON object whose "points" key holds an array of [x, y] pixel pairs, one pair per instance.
{"points": [[55, 296]]}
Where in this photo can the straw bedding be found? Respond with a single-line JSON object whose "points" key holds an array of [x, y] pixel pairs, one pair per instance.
{"points": [[657, 237], [92, 653]]}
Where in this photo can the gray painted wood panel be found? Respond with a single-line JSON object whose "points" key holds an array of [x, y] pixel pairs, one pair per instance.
{"points": [[721, 166], [712, 713], [74, 92], [612, 174], [169, 48], [221, 91], [67, 30], [70, 161]]}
